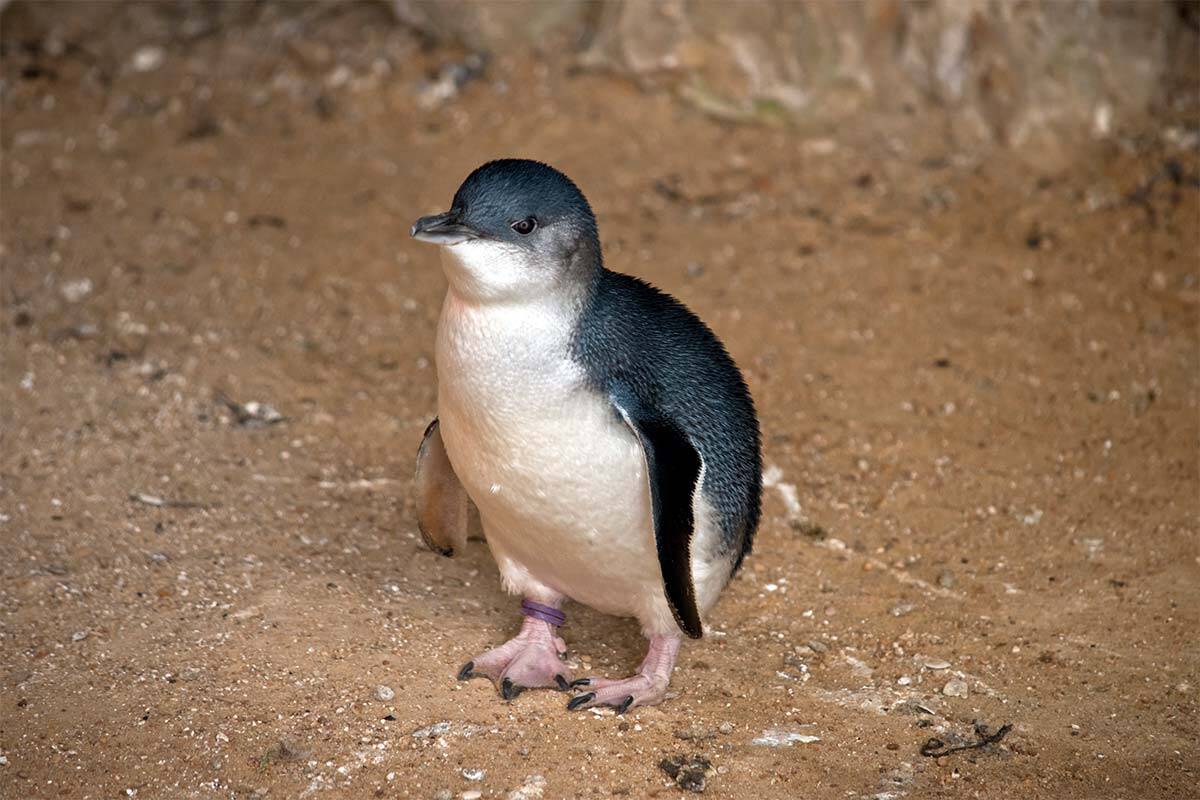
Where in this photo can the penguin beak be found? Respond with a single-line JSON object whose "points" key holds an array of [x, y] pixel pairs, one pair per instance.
{"points": [[446, 229]]}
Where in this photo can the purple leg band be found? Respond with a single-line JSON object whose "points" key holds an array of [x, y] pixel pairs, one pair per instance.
{"points": [[531, 608]]}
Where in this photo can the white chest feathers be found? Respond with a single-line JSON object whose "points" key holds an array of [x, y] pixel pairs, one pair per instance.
{"points": [[558, 478]]}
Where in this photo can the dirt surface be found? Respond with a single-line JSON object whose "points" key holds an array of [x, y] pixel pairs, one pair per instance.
{"points": [[978, 385]]}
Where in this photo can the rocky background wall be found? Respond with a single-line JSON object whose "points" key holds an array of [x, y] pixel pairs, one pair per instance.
{"points": [[1034, 74]]}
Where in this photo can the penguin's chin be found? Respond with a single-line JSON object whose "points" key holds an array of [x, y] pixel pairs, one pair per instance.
{"points": [[488, 270]]}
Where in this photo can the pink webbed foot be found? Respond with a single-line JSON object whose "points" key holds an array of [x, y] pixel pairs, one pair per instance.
{"points": [[531, 660], [646, 688]]}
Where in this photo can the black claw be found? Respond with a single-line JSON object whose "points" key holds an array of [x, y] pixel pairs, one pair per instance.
{"points": [[509, 690], [625, 704], [562, 683], [580, 700], [581, 682], [467, 671]]}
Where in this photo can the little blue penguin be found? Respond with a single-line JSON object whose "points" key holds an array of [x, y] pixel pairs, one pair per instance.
{"points": [[601, 429]]}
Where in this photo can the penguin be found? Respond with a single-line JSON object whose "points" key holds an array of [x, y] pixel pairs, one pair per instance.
{"points": [[600, 428]]}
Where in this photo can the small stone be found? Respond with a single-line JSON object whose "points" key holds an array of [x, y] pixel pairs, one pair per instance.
{"points": [[937, 665], [148, 58], [3, 761], [726, 727], [531, 789], [775, 737], [74, 291], [79, 636], [690, 773], [443, 794], [902, 609], [385, 693], [431, 731], [473, 794], [904, 680], [261, 412], [473, 774], [955, 688], [697, 733], [817, 647], [946, 579]]}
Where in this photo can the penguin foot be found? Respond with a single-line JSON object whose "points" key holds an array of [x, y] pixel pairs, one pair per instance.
{"points": [[531, 660], [639, 690], [647, 687]]}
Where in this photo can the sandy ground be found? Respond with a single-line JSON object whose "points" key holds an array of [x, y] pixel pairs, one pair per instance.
{"points": [[978, 384]]}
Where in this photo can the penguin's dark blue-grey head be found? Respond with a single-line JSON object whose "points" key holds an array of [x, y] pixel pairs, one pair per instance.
{"points": [[514, 225]]}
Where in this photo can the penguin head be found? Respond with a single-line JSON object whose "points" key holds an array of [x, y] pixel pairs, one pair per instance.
{"points": [[516, 227]]}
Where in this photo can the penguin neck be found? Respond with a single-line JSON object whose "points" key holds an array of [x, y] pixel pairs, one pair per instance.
{"points": [[484, 275]]}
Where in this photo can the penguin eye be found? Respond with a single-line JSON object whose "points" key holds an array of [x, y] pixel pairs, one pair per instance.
{"points": [[525, 226]]}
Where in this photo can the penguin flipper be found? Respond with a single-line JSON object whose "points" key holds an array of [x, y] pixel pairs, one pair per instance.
{"points": [[673, 467], [442, 503]]}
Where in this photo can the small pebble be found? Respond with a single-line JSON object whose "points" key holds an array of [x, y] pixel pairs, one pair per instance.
{"points": [[904, 680], [937, 665], [775, 737], [148, 58], [443, 794], [385, 693], [955, 688], [696, 733], [726, 727], [474, 794], [74, 291], [79, 636], [473, 774], [531, 789], [430, 731]]}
